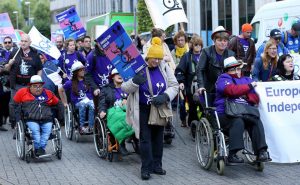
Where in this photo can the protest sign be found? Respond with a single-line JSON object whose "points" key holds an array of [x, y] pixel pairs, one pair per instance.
{"points": [[40, 42], [279, 109], [165, 13], [6, 28], [120, 50], [70, 23]]}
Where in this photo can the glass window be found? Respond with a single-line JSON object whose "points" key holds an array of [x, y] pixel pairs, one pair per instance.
{"points": [[246, 11], [225, 14], [255, 31], [206, 21]]}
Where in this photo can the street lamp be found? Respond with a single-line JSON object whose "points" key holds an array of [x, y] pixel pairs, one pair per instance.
{"points": [[27, 3], [17, 19]]}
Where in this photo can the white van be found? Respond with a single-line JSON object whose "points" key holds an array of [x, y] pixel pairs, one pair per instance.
{"points": [[280, 15]]}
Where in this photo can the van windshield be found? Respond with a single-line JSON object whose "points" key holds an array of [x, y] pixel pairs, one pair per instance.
{"points": [[255, 31]]}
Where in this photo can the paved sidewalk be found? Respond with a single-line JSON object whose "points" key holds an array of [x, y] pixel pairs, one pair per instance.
{"points": [[81, 165]]}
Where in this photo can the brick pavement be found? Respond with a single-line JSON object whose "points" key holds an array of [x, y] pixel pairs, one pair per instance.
{"points": [[81, 165]]}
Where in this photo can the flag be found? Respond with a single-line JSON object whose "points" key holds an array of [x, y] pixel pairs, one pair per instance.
{"points": [[40, 42], [6, 27], [165, 13]]}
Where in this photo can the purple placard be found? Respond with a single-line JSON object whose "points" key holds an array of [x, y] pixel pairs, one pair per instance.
{"points": [[70, 23], [121, 51]]}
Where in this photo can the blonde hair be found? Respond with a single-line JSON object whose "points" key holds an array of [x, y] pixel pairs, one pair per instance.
{"points": [[266, 57]]}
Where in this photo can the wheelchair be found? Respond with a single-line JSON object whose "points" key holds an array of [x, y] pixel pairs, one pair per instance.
{"points": [[72, 125], [24, 142], [211, 142], [106, 144]]}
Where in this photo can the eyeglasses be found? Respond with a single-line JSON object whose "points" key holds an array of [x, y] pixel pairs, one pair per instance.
{"points": [[37, 86], [7, 42], [197, 45], [234, 69]]}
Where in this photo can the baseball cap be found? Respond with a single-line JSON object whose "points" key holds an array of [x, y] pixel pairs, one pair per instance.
{"points": [[275, 33]]}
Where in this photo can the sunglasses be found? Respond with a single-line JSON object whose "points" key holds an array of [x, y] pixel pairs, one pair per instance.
{"points": [[7, 42], [37, 86]]}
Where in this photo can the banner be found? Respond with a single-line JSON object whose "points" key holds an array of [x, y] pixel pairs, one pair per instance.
{"points": [[165, 13], [40, 42], [120, 50], [280, 113], [6, 28], [70, 23]]}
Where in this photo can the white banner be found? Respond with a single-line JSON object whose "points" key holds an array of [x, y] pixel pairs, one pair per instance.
{"points": [[165, 13], [280, 113], [40, 42]]}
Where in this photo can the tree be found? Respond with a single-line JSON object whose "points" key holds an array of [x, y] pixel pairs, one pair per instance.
{"points": [[144, 20], [10, 7], [42, 18]]}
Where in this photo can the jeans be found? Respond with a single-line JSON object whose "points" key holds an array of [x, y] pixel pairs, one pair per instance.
{"points": [[82, 107], [40, 133]]}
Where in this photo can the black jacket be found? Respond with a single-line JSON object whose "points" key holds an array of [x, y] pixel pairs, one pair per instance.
{"points": [[209, 69], [107, 97], [186, 70]]}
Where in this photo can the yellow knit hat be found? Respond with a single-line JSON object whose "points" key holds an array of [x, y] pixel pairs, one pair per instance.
{"points": [[156, 49]]}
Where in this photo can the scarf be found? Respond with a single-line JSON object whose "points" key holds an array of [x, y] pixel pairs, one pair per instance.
{"points": [[179, 52]]}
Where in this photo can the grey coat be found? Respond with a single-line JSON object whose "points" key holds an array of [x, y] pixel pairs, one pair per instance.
{"points": [[133, 111]]}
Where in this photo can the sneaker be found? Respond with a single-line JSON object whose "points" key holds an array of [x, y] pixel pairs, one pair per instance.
{"points": [[40, 152], [234, 159], [159, 171]]}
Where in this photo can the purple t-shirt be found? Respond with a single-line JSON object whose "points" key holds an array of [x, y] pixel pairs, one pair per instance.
{"points": [[82, 91], [218, 57], [196, 57], [119, 94], [100, 68], [245, 44], [42, 97], [67, 60], [158, 86]]}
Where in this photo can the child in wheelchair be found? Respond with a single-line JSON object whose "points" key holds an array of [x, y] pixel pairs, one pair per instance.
{"points": [[81, 96], [232, 86], [33, 104], [112, 97]]}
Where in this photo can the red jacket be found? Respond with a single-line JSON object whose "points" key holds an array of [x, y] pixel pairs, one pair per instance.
{"points": [[32, 109]]}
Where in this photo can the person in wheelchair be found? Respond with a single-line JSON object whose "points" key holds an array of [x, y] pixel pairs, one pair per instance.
{"points": [[34, 104], [81, 96], [112, 95], [233, 86]]}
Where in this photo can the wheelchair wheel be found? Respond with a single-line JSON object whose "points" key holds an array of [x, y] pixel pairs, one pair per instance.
{"points": [[204, 143], [100, 140], [20, 140], [248, 151], [220, 167], [69, 128], [57, 141]]}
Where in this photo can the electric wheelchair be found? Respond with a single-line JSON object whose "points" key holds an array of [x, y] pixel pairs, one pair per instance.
{"points": [[211, 142], [24, 142]]}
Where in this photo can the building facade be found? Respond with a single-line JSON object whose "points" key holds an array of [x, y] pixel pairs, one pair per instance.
{"points": [[203, 15]]}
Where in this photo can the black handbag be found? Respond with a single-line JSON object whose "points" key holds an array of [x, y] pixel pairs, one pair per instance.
{"points": [[239, 109], [235, 109]]}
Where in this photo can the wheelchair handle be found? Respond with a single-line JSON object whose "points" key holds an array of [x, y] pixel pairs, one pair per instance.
{"points": [[205, 98]]}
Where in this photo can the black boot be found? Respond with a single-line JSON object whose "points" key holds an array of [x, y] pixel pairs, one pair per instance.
{"points": [[123, 149], [233, 158]]}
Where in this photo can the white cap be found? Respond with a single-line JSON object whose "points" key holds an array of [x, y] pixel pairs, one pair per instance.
{"points": [[114, 71], [36, 79], [231, 62], [76, 66]]}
